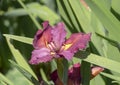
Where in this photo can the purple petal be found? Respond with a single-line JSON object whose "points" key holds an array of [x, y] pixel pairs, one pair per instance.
{"points": [[59, 34], [42, 37], [54, 76], [74, 74], [78, 41], [40, 55], [45, 24], [67, 54]]}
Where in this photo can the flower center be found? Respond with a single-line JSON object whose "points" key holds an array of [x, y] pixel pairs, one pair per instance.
{"points": [[53, 48]]}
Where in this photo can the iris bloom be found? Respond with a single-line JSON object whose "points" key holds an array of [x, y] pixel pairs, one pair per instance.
{"points": [[74, 75], [51, 43]]}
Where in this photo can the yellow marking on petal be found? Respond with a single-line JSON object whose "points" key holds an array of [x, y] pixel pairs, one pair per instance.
{"points": [[52, 53], [66, 46]]}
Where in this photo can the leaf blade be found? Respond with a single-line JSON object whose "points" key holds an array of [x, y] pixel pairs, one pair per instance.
{"points": [[19, 58]]}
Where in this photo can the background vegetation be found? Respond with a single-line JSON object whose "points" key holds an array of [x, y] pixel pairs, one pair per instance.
{"points": [[20, 19]]}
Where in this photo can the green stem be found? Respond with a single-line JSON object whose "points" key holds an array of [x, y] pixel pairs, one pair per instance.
{"points": [[62, 68]]}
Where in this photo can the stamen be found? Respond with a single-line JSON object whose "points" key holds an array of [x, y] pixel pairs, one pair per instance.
{"points": [[50, 47], [53, 45], [52, 53]]}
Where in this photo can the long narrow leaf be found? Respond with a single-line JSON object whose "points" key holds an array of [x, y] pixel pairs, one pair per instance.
{"points": [[106, 18], [112, 42], [19, 58], [31, 16], [85, 72], [25, 73], [62, 69], [110, 76], [101, 61], [5, 80], [44, 13], [19, 38], [44, 76]]}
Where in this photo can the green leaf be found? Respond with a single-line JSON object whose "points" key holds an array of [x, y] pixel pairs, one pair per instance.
{"points": [[101, 61], [35, 10], [109, 21], [97, 79], [112, 42], [14, 75], [2, 83], [69, 15], [28, 75], [30, 14], [43, 12], [5, 80], [16, 13], [19, 38], [111, 76], [62, 69], [116, 5], [19, 58], [85, 73], [44, 76]]}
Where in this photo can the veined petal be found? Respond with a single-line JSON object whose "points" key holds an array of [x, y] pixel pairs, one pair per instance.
{"points": [[67, 54], [77, 41], [42, 37], [40, 55], [59, 34]]}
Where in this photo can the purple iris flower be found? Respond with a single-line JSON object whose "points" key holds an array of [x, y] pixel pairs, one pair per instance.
{"points": [[74, 75], [51, 43]]}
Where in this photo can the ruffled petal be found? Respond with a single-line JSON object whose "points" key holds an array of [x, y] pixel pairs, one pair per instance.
{"points": [[67, 54], [43, 37], [77, 41], [40, 55], [59, 34]]}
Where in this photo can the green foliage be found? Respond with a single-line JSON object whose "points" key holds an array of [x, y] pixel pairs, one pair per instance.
{"points": [[20, 20], [62, 67], [85, 69], [4, 80], [26, 73]]}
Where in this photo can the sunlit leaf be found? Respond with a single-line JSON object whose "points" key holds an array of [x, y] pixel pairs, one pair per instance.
{"points": [[25, 73], [16, 13], [19, 58], [44, 13], [112, 42], [117, 78], [19, 38], [5, 80], [101, 61], [106, 17]]}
